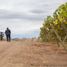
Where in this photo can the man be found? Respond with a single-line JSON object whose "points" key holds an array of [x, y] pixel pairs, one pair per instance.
{"points": [[8, 34]]}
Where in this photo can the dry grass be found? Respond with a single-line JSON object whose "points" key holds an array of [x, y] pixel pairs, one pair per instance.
{"points": [[28, 53]]}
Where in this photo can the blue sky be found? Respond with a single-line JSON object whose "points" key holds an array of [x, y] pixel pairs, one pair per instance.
{"points": [[25, 17]]}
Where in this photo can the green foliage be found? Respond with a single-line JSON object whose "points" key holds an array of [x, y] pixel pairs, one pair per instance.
{"points": [[59, 22]]}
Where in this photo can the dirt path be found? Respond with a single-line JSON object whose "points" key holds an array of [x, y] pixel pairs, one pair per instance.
{"points": [[30, 54]]}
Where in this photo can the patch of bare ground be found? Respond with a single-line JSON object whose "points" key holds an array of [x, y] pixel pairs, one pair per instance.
{"points": [[28, 53]]}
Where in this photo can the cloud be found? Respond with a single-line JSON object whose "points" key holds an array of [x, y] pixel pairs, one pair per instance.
{"points": [[38, 11], [4, 14]]}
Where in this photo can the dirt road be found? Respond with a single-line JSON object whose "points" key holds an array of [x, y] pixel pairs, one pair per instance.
{"points": [[31, 54]]}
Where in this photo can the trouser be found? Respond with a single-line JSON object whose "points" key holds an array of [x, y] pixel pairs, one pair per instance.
{"points": [[1, 37], [8, 37]]}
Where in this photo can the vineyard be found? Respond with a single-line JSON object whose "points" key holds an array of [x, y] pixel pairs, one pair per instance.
{"points": [[54, 28]]}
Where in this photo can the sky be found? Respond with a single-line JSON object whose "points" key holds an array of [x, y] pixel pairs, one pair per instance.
{"points": [[25, 17]]}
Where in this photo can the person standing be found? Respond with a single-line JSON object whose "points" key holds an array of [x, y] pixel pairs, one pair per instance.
{"points": [[1, 36], [8, 34]]}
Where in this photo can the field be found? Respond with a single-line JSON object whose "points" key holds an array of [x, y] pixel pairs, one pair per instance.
{"points": [[29, 53]]}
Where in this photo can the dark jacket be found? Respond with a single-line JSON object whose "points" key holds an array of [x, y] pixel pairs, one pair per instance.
{"points": [[7, 32]]}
